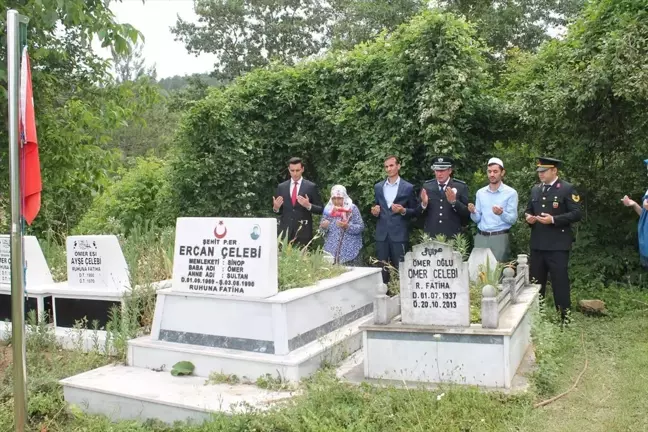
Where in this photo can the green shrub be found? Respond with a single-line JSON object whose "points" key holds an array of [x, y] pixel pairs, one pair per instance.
{"points": [[583, 99], [300, 267], [133, 199], [417, 93]]}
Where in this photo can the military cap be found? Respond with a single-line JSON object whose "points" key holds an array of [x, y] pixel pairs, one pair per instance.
{"points": [[544, 163], [442, 163]]}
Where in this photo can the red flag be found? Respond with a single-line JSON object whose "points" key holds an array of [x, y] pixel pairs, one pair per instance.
{"points": [[29, 162]]}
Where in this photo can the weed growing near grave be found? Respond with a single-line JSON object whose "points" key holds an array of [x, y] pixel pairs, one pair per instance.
{"points": [[277, 383], [53, 247], [459, 243], [221, 378], [300, 267], [487, 275], [610, 397], [547, 339], [46, 365], [149, 253]]}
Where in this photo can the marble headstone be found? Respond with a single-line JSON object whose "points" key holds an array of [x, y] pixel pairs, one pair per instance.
{"points": [[96, 263], [478, 257], [226, 256], [434, 286], [38, 272]]}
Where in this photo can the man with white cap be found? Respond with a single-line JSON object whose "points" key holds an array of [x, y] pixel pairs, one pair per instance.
{"points": [[444, 201], [495, 211]]}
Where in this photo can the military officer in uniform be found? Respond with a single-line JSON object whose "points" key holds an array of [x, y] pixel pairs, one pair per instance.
{"points": [[444, 201], [552, 209]]}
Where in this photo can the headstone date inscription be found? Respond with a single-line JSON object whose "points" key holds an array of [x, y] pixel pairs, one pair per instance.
{"points": [[96, 262], [435, 288], [37, 272], [226, 256], [5, 260]]}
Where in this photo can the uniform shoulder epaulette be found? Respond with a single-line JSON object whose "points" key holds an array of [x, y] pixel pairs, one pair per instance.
{"points": [[459, 181], [429, 181]]}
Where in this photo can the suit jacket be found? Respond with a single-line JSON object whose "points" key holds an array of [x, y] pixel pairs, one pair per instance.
{"points": [[391, 224], [562, 202], [440, 216], [296, 220]]}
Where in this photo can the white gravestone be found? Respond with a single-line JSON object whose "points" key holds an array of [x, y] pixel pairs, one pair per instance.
{"points": [[435, 290], [38, 273], [226, 256], [478, 257], [96, 263]]}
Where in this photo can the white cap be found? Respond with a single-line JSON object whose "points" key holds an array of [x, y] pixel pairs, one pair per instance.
{"points": [[495, 160]]}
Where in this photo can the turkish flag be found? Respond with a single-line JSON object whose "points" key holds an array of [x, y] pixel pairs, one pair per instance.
{"points": [[30, 174]]}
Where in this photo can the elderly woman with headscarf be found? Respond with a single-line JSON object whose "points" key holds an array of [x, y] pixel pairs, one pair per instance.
{"points": [[342, 226]]}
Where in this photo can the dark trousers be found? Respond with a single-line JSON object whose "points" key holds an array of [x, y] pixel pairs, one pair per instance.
{"points": [[390, 252], [555, 263]]}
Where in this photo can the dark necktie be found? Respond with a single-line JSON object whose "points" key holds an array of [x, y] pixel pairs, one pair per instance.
{"points": [[545, 188], [441, 187]]}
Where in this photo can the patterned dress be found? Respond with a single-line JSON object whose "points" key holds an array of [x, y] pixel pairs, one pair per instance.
{"points": [[352, 240]]}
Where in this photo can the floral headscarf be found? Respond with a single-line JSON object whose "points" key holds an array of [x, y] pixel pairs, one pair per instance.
{"points": [[339, 191]]}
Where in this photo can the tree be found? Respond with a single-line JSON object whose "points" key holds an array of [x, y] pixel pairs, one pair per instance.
{"points": [[356, 21], [416, 93], [583, 99], [148, 125], [514, 23], [72, 112], [131, 65], [248, 34], [178, 82]]}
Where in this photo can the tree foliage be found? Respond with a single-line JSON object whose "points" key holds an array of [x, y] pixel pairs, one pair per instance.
{"points": [[356, 21], [523, 24], [248, 34], [148, 122], [585, 101], [417, 94], [131, 65], [132, 199], [74, 114], [178, 82]]}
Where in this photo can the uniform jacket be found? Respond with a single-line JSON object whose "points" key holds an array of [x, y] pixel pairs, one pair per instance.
{"points": [[440, 216], [393, 224], [299, 218], [562, 202]]}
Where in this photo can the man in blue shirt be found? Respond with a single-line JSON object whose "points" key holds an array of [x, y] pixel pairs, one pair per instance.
{"points": [[394, 205], [494, 212]]}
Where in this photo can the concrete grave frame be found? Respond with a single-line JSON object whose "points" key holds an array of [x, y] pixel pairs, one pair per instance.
{"points": [[487, 354], [38, 279], [73, 301], [254, 336]]}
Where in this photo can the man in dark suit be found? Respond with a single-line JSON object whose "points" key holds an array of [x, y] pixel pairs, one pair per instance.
{"points": [[553, 207], [394, 204], [296, 200], [444, 201]]}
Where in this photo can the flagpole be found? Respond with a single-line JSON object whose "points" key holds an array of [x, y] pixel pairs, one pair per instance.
{"points": [[17, 278]]}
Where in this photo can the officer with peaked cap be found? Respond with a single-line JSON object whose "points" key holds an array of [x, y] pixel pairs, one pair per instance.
{"points": [[444, 201], [553, 207]]}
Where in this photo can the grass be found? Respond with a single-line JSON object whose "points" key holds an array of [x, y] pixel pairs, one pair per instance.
{"points": [[300, 267], [610, 397]]}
